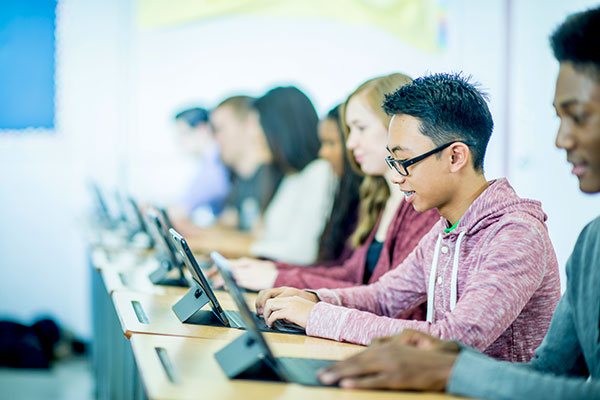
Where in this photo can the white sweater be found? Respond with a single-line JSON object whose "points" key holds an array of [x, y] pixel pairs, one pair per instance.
{"points": [[296, 216]]}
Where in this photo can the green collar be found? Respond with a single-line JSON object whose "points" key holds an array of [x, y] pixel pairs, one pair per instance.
{"points": [[448, 230]]}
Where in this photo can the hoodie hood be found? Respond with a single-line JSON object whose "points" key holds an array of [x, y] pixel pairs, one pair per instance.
{"points": [[495, 202]]}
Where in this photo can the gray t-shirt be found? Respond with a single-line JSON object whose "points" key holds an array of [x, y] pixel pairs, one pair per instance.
{"points": [[567, 363]]}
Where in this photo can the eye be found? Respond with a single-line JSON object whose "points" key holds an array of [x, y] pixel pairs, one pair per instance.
{"points": [[580, 119]]}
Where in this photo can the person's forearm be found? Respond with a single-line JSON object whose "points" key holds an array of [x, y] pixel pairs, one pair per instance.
{"points": [[475, 375]]}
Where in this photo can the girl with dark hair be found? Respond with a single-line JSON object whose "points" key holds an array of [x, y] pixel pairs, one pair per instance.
{"points": [[295, 218], [388, 228], [279, 131], [334, 247]]}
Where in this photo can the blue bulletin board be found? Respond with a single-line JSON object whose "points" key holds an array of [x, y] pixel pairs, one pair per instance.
{"points": [[27, 66]]}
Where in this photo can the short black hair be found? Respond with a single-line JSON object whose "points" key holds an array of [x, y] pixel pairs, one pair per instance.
{"points": [[577, 40], [289, 121], [449, 108], [193, 116]]}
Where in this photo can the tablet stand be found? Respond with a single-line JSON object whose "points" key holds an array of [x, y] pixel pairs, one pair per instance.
{"points": [[189, 306], [244, 358], [159, 276]]}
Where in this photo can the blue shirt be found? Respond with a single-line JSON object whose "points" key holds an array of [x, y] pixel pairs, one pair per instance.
{"points": [[210, 186]]}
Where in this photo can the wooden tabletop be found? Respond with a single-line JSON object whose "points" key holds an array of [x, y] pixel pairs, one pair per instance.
{"points": [[188, 370], [232, 244], [152, 314], [135, 278], [128, 270]]}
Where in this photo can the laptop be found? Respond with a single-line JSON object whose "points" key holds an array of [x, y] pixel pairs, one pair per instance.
{"points": [[165, 252], [223, 317], [234, 358]]}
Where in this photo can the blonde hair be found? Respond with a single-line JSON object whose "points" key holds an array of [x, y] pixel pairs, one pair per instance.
{"points": [[374, 191]]}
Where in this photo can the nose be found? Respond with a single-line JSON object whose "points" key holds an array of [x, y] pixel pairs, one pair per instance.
{"points": [[396, 178], [564, 136], [352, 140], [322, 152]]}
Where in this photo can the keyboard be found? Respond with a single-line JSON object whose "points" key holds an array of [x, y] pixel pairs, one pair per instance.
{"points": [[278, 326]]}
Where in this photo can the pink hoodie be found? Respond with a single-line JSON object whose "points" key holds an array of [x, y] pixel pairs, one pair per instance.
{"points": [[492, 283]]}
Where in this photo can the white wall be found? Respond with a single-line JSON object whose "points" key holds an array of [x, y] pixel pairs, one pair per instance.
{"points": [[119, 85], [42, 175], [537, 169]]}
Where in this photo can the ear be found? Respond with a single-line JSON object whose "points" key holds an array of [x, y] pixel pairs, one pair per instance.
{"points": [[460, 157]]}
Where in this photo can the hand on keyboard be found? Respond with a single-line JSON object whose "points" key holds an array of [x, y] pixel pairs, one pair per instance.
{"points": [[281, 325]]}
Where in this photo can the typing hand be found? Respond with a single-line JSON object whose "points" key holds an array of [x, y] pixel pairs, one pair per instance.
{"points": [[392, 366], [254, 274], [284, 291], [292, 309]]}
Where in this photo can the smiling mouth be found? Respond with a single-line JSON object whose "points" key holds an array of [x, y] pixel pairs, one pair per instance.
{"points": [[408, 193], [578, 169]]}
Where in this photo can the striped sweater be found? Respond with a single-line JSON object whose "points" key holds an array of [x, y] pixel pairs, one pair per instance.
{"points": [[492, 283]]}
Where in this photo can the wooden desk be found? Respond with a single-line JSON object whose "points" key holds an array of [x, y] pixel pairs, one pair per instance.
{"points": [[130, 271], [159, 319], [194, 373], [230, 243], [136, 279]]}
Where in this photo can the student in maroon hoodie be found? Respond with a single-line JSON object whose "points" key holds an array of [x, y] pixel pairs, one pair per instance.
{"points": [[388, 228], [487, 268]]}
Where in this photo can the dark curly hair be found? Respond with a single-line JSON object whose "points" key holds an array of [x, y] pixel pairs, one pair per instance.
{"points": [[577, 40]]}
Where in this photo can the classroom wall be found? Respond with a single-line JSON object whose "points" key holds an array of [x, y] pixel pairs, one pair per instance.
{"points": [[536, 168], [119, 85], [43, 199]]}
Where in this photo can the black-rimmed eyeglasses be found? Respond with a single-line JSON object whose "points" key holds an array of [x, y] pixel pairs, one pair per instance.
{"points": [[401, 166]]}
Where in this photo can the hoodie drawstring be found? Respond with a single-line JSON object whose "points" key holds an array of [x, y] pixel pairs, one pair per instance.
{"points": [[454, 289], [433, 276]]}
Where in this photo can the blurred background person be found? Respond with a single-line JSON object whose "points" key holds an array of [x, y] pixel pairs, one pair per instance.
{"points": [[206, 194], [295, 219], [334, 243], [280, 132], [388, 228], [245, 150]]}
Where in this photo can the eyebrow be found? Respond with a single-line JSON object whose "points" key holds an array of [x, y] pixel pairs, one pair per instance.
{"points": [[567, 103], [395, 149]]}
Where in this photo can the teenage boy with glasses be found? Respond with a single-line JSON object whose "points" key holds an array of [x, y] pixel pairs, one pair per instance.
{"points": [[487, 269], [567, 364]]}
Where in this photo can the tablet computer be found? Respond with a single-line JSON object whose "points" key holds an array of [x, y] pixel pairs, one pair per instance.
{"points": [[226, 317], [299, 370]]}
